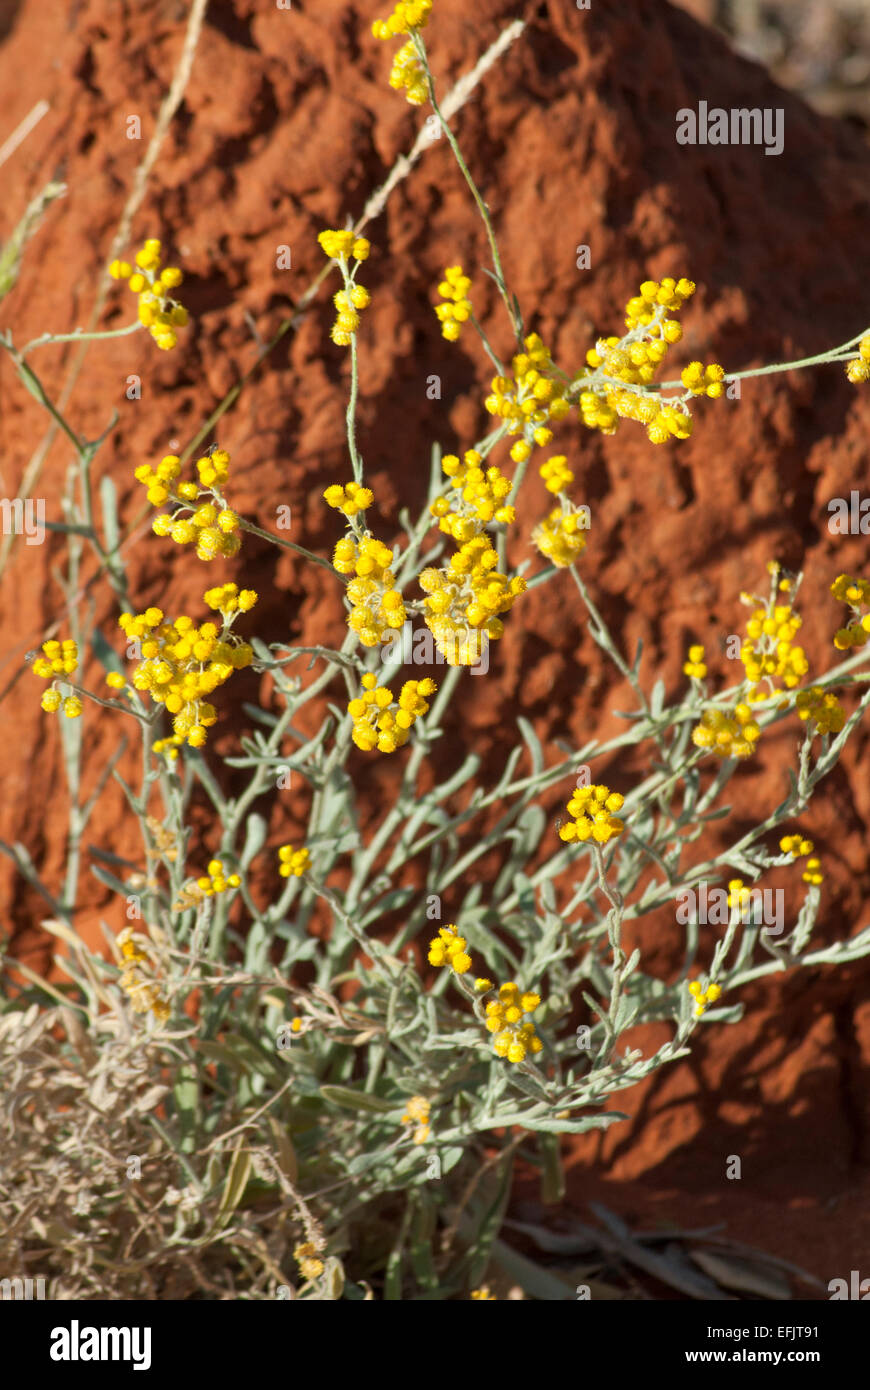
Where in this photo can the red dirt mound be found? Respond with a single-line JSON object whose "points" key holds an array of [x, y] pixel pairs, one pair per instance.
{"points": [[286, 126]]}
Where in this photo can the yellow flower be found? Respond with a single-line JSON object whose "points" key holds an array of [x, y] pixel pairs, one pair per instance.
{"points": [[703, 997], [624, 369], [349, 499], [293, 861], [593, 809], [158, 310], [305, 1255], [858, 369], [341, 246], [561, 536], [514, 1036], [464, 600], [379, 722], [484, 1294], [556, 473], [727, 735], [417, 1113], [376, 608], [182, 664], [812, 874], [211, 525], [406, 17], [455, 307], [796, 846], [695, 665], [448, 948], [60, 659], [479, 497], [855, 592], [822, 708], [703, 381], [409, 75]]}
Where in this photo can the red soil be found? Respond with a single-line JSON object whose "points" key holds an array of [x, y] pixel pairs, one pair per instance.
{"points": [[287, 125]]}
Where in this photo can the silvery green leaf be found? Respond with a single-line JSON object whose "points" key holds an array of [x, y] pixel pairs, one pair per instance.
{"points": [[256, 830]]}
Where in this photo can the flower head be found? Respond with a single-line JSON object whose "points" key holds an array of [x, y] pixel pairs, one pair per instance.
{"points": [[381, 722], [417, 1113], [159, 311], [182, 664], [703, 997], [507, 1018], [448, 948], [376, 606], [821, 708], [478, 497], [561, 536], [455, 307], [464, 599], [294, 862], [200, 515], [695, 666], [593, 809], [731, 734]]}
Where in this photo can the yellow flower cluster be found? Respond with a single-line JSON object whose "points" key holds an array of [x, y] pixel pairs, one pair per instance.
{"points": [[229, 599], [514, 1034], [695, 666], [350, 301], [560, 536], [211, 525], [478, 497], [704, 381], [484, 1294], [305, 1256], [159, 311], [181, 664], [529, 400], [417, 1113], [768, 653], [855, 592], [633, 360], [143, 994], [339, 246], [593, 809], [60, 659], [703, 997], [463, 601], [214, 881], [739, 896], [556, 473], [293, 861], [448, 948], [378, 722], [822, 707], [349, 499], [409, 75], [407, 16], [858, 369], [376, 606], [456, 307], [728, 735], [796, 846]]}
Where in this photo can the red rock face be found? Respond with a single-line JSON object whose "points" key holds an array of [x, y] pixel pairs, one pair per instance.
{"points": [[286, 126]]}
